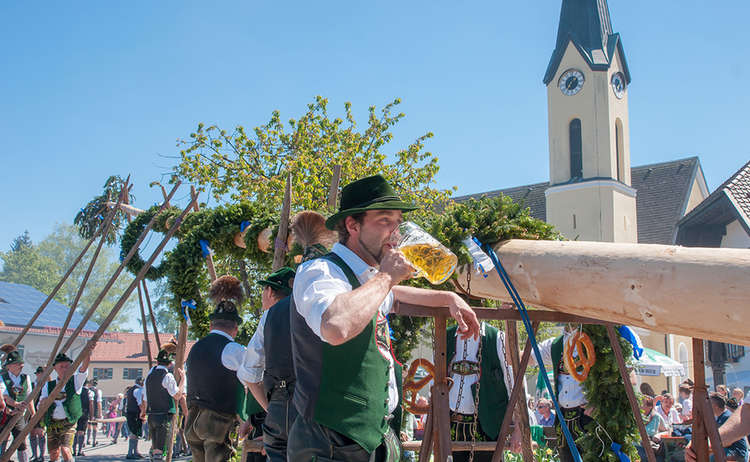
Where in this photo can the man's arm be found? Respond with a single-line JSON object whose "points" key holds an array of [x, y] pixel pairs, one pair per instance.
{"points": [[468, 325], [735, 428], [256, 388], [350, 312]]}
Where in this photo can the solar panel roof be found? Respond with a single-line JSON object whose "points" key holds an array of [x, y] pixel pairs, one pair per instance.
{"points": [[19, 302]]}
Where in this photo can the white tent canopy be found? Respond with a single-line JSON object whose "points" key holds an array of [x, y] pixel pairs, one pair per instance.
{"points": [[653, 363]]}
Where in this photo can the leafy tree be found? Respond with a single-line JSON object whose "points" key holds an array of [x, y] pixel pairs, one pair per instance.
{"points": [[241, 165], [23, 264], [89, 219]]}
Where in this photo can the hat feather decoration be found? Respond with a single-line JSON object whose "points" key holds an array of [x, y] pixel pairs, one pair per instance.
{"points": [[170, 347], [309, 228], [226, 288], [7, 348]]}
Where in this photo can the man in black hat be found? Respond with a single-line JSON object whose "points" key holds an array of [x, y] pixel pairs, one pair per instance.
{"points": [[17, 388], [215, 397], [36, 438], [133, 403], [160, 396], [267, 368], [62, 416], [346, 390]]}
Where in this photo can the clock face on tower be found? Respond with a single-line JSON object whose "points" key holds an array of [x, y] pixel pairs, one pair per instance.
{"points": [[618, 84], [571, 82]]}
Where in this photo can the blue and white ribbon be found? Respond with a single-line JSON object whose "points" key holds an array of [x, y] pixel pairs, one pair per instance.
{"points": [[186, 305], [480, 260], [205, 249], [244, 225], [629, 334], [621, 456]]}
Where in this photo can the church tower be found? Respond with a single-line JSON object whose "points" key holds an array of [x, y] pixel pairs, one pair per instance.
{"points": [[590, 197]]}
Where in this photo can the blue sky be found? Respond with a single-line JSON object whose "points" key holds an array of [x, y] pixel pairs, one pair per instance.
{"points": [[90, 89]]}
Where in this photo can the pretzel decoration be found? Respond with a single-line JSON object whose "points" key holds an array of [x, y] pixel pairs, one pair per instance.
{"points": [[413, 386], [581, 343]]}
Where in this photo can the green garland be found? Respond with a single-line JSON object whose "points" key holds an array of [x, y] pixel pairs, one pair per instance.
{"points": [[183, 266], [605, 392]]}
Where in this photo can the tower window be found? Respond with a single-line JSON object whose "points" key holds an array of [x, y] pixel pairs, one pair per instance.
{"points": [[576, 150], [619, 151]]}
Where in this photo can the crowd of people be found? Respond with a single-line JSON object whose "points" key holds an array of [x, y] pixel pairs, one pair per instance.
{"points": [[319, 380]]}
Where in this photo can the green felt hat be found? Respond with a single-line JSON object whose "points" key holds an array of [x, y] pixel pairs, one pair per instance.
{"points": [[370, 193], [60, 358], [14, 357], [164, 357], [280, 280], [226, 309], [39, 370]]}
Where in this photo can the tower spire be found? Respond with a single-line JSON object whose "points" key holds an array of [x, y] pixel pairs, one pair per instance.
{"points": [[586, 23]]}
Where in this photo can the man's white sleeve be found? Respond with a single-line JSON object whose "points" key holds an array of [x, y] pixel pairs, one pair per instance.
{"points": [[138, 395], [170, 384], [545, 348], [44, 393], [79, 380], [254, 362], [316, 286], [232, 355]]}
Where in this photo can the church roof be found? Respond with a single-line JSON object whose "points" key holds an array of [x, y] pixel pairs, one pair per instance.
{"points": [[663, 190], [587, 24], [729, 202]]}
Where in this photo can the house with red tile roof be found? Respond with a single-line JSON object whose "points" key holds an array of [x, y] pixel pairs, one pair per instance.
{"points": [[117, 362]]}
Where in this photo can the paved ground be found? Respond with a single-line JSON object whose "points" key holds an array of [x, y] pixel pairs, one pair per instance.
{"points": [[105, 450]]}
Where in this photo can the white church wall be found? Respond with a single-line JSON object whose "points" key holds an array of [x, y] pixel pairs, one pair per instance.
{"points": [[736, 236]]}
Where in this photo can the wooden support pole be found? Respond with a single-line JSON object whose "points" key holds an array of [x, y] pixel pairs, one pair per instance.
{"points": [[82, 287], [151, 313], [511, 331], [54, 291], [425, 449], [699, 442], [514, 398], [712, 429], [145, 328], [645, 440], [441, 426], [333, 191], [279, 252], [117, 273], [45, 405], [127, 209]]}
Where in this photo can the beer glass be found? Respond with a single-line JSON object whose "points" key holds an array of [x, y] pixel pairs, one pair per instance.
{"points": [[427, 255]]}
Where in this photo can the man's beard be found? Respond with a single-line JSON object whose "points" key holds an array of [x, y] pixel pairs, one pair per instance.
{"points": [[375, 255]]}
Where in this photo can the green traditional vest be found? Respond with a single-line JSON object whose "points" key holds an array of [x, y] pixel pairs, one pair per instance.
{"points": [[353, 393], [71, 403], [493, 395], [16, 393], [556, 352]]}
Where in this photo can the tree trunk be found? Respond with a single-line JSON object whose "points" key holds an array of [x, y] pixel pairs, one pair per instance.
{"points": [[696, 292]]}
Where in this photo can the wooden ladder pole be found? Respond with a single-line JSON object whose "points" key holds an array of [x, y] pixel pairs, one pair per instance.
{"points": [[514, 397], [511, 330], [699, 442], [151, 313], [44, 405], [426, 447], [54, 291], [333, 190], [441, 424], [145, 328], [117, 273], [614, 340], [279, 252]]}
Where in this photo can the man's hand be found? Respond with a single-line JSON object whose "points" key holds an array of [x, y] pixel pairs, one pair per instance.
{"points": [[244, 429], [180, 375], [468, 325], [515, 440], [142, 416], [396, 266]]}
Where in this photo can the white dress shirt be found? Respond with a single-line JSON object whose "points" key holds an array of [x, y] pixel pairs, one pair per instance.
{"points": [[16, 380], [168, 382], [254, 362], [672, 418], [466, 405], [58, 413], [569, 390], [2, 388], [232, 354], [318, 282], [138, 395]]}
